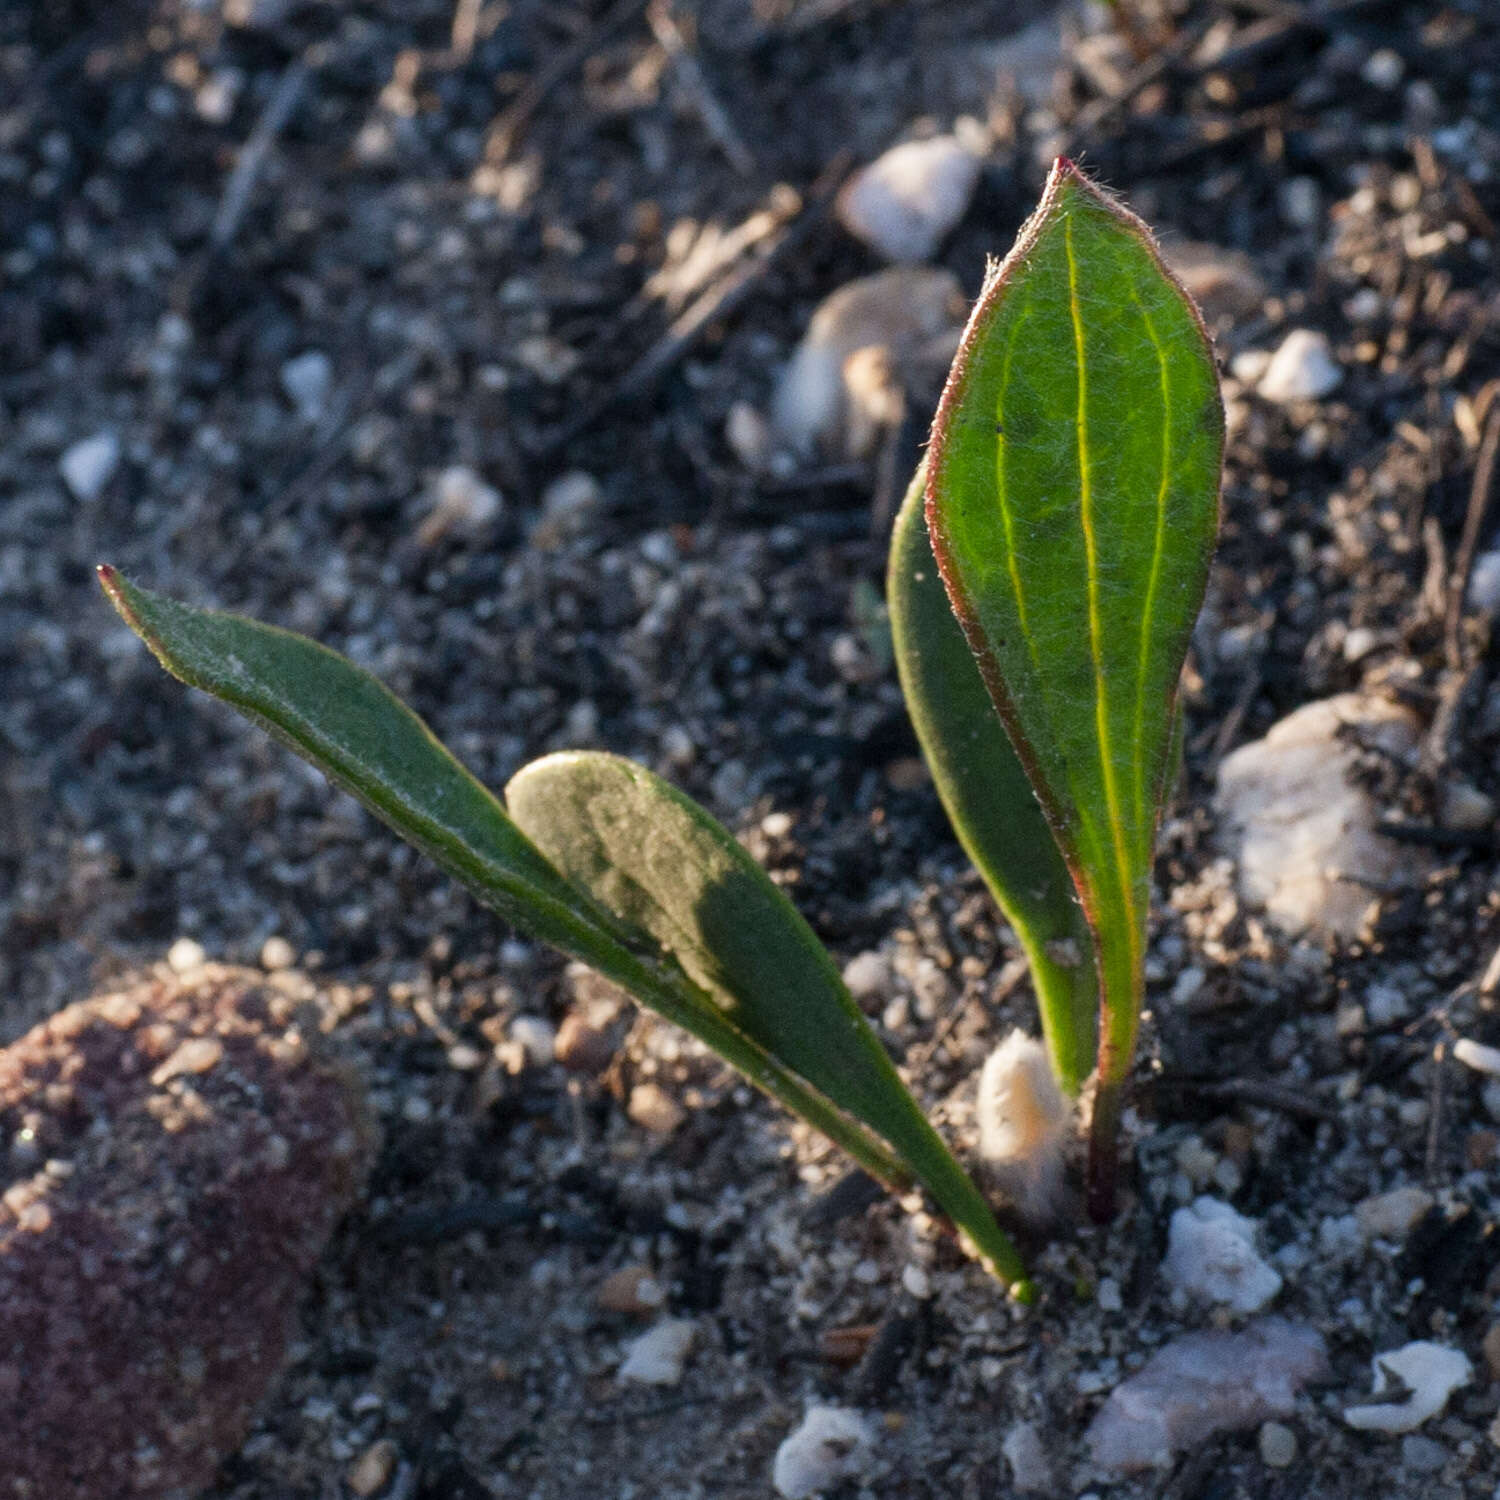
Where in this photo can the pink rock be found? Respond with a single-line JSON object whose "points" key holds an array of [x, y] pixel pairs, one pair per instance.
{"points": [[175, 1160], [1201, 1384]]}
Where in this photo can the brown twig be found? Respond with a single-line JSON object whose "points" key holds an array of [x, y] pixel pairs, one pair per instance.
{"points": [[1481, 494]]}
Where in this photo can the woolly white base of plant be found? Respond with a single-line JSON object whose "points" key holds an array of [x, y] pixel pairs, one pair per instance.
{"points": [[832, 1444], [1025, 1122]]}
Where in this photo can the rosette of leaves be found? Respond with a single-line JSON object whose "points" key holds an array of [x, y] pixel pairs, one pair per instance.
{"points": [[1046, 571]]}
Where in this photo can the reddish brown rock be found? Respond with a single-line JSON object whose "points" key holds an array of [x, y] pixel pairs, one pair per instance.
{"points": [[172, 1161]]}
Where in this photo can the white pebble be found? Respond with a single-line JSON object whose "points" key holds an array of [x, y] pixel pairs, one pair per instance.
{"points": [[89, 464], [306, 379], [832, 1444], [1025, 1451], [462, 505], [1211, 1255], [906, 201], [867, 975], [1300, 202], [537, 1038], [1384, 69], [185, 955], [1391, 1216], [1301, 369], [276, 953], [1477, 1056], [1484, 583], [917, 1282], [657, 1357], [1430, 1373], [1278, 1445]]}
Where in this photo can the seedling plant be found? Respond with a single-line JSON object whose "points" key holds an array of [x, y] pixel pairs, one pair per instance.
{"points": [[1045, 573]]}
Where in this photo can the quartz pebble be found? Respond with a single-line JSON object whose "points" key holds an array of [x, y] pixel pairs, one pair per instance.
{"points": [[1391, 1216], [907, 310], [89, 464], [1203, 1383], [1278, 1445], [1301, 369], [654, 1109], [1030, 1466], [905, 202], [657, 1357], [371, 1471], [1429, 1373], [462, 505], [1299, 825], [185, 955], [1211, 1255], [1478, 1056], [306, 379], [537, 1038], [832, 1444]]}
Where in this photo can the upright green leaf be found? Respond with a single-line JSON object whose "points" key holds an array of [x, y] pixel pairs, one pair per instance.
{"points": [[659, 862], [989, 799], [1073, 505]]}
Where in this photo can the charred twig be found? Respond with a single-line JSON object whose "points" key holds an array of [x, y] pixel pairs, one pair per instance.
{"points": [[1432, 836], [1261, 1091], [240, 186], [690, 75], [1481, 494]]}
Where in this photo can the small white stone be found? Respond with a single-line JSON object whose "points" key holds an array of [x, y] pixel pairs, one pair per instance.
{"points": [[653, 1108], [657, 1357], [1391, 1216], [1385, 1005], [1211, 1255], [1107, 1295], [1278, 1445], [1030, 1466], [917, 1282], [1484, 583], [1463, 806], [276, 953], [1249, 365], [462, 505], [906, 201], [185, 955], [1200, 1384], [89, 464], [867, 975], [1301, 828], [1477, 1056], [902, 310], [1300, 202], [1429, 1372], [749, 436], [1301, 369], [1384, 69], [537, 1037], [570, 505], [832, 1444], [307, 379]]}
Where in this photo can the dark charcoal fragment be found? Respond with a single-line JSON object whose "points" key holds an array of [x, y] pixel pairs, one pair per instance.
{"points": [[174, 1160]]}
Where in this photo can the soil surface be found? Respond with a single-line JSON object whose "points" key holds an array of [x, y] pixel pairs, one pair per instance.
{"points": [[290, 272]]}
